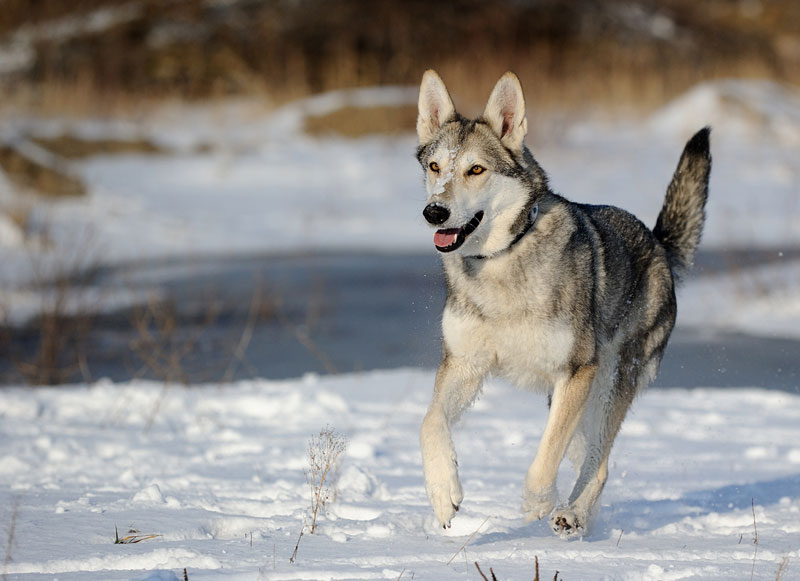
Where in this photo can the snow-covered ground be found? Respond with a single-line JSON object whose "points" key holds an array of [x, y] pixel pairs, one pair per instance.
{"points": [[218, 472]]}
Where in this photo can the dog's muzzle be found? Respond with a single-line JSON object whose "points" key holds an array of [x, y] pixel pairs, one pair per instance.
{"points": [[449, 239]]}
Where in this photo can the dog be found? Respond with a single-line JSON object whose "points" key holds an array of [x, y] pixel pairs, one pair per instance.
{"points": [[573, 300]]}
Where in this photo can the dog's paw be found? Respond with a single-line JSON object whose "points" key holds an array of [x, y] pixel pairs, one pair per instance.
{"points": [[567, 523], [537, 505], [446, 495]]}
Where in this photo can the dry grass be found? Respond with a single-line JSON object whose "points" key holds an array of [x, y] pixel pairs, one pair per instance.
{"points": [[162, 344], [10, 540], [324, 451], [80, 95], [483, 575], [755, 538], [73, 147], [782, 568], [494, 577], [41, 164], [132, 537], [360, 121], [600, 54], [57, 335], [463, 547], [29, 174]]}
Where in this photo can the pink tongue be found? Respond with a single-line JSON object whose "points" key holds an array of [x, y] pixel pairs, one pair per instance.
{"points": [[444, 238]]}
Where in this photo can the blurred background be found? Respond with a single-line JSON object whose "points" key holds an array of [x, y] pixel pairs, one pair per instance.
{"points": [[210, 190]]}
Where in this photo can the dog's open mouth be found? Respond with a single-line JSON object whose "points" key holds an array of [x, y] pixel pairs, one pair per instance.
{"points": [[448, 239]]}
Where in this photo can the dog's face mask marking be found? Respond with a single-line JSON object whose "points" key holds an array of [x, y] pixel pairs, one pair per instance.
{"points": [[455, 184]]}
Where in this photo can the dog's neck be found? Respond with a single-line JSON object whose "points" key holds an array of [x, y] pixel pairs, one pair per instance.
{"points": [[531, 219]]}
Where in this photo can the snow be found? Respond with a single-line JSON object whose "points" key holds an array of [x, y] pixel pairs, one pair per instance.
{"points": [[446, 176], [764, 301], [754, 110], [217, 471]]}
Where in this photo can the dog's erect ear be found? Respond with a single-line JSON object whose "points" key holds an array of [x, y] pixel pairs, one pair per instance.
{"points": [[505, 112], [435, 106]]}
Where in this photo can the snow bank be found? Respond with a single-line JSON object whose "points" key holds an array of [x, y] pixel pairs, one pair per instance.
{"points": [[751, 111], [217, 472]]}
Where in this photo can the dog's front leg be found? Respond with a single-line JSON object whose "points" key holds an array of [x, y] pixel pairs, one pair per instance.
{"points": [[457, 384], [569, 398]]}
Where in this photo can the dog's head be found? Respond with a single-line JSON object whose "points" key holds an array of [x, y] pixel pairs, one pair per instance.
{"points": [[481, 179]]}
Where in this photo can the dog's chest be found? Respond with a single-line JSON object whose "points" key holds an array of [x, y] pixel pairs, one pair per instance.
{"points": [[508, 324]]}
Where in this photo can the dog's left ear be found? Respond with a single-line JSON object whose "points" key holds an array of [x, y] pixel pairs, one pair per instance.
{"points": [[505, 112]]}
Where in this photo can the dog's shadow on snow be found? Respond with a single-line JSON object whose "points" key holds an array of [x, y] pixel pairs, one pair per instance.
{"points": [[646, 516], [643, 516]]}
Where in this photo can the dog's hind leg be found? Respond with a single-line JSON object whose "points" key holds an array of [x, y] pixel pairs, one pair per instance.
{"points": [[599, 428], [612, 396], [567, 406], [457, 384]]}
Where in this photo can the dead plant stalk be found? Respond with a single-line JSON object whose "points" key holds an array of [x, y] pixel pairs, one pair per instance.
{"points": [[324, 451], [10, 542], [323, 454], [755, 538]]}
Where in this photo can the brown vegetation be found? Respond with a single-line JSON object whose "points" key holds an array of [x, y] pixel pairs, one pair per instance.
{"points": [[568, 54], [73, 147], [358, 121], [28, 173], [51, 348]]}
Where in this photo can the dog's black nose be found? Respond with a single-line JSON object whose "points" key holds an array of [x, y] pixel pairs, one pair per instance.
{"points": [[436, 214]]}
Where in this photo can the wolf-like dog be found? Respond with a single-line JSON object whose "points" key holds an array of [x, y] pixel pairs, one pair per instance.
{"points": [[573, 300]]}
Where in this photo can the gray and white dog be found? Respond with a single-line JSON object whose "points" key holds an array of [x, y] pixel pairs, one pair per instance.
{"points": [[573, 300]]}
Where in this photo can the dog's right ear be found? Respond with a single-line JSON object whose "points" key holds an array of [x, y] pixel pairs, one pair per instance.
{"points": [[435, 106]]}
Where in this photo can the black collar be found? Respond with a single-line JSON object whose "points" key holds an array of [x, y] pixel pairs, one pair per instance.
{"points": [[531, 220]]}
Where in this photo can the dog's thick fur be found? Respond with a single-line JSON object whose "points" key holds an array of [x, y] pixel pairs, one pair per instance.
{"points": [[574, 300]]}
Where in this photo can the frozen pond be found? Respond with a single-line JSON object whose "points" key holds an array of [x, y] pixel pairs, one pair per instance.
{"points": [[351, 312]]}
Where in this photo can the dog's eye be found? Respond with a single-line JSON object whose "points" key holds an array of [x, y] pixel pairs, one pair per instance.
{"points": [[476, 170], [434, 166]]}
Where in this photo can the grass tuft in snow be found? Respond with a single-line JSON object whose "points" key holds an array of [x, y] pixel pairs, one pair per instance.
{"points": [[10, 542], [755, 538], [133, 537], [485, 578], [782, 566], [494, 577], [324, 451]]}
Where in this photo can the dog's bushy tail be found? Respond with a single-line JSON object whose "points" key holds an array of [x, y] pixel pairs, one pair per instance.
{"points": [[680, 222]]}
